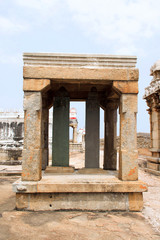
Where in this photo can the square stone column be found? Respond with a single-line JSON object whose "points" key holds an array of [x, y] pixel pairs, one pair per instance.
{"points": [[60, 143], [155, 128], [75, 134], [128, 154], [92, 131], [110, 139], [45, 123], [32, 152]]}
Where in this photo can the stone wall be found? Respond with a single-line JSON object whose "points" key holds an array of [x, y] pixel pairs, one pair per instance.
{"points": [[143, 141]]}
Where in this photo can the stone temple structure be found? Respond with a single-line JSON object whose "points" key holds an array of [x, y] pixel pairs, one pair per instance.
{"points": [[11, 125], [152, 96], [104, 81], [11, 137]]}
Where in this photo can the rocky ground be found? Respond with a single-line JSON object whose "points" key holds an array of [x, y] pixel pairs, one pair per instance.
{"points": [[68, 225]]}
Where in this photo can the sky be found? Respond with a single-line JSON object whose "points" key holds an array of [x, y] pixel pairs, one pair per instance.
{"points": [[120, 27]]}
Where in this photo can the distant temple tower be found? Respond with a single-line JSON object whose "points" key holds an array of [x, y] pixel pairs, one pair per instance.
{"points": [[73, 123]]}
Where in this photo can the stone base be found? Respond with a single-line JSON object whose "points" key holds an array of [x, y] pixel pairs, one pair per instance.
{"points": [[95, 192], [80, 201], [153, 165], [58, 170]]}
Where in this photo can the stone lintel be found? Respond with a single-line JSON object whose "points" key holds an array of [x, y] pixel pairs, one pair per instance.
{"points": [[63, 183], [126, 87], [82, 74], [36, 85]]}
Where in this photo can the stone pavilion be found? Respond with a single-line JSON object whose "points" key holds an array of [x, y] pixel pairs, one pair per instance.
{"points": [[105, 81]]}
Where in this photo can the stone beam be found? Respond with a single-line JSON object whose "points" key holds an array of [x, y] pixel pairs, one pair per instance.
{"points": [[36, 85], [81, 74], [126, 87]]}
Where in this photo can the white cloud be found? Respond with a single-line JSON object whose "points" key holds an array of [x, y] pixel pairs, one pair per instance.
{"points": [[10, 26], [11, 58], [43, 8], [124, 21]]}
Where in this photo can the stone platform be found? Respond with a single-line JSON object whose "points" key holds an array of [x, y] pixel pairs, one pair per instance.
{"points": [[78, 191]]}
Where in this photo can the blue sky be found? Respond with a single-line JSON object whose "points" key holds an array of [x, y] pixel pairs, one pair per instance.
{"points": [[125, 27]]}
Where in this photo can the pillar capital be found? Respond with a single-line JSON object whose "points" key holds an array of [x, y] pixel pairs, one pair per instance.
{"points": [[112, 104]]}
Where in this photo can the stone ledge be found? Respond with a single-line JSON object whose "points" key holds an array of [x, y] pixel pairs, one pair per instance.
{"points": [[57, 170], [77, 183], [157, 173], [10, 173], [153, 159], [78, 60]]}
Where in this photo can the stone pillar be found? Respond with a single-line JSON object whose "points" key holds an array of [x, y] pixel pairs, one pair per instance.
{"points": [[153, 162], [60, 143], [45, 123], [92, 131], [155, 127], [128, 154], [32, 152], [110, 143], [1, 130], [75, 134]]}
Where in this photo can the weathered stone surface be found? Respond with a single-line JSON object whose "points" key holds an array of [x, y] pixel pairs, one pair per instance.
{"points": [[36, 85], [72, 201], [32, 164], [128, 154], [92, 171], [135, 201], [22, 201], [82, 183], [32, 120], [126, 86], [82, 74], [79, 60], [32, 153], [154, 166], [51, 169]]}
